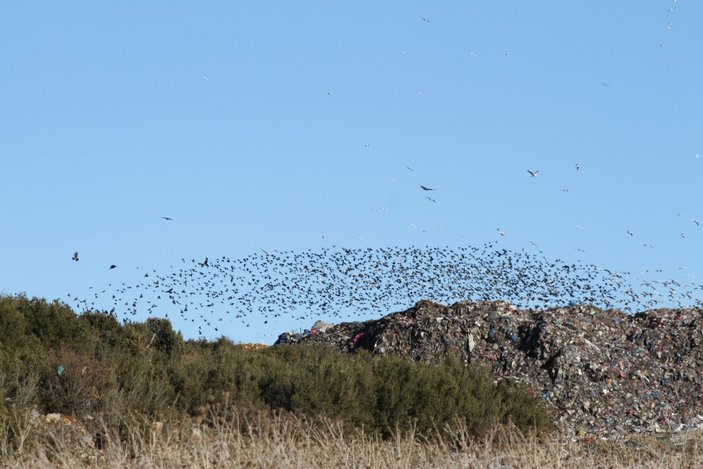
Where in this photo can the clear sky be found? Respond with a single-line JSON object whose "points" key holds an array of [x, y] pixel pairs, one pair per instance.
{"points": [[283, 125]]}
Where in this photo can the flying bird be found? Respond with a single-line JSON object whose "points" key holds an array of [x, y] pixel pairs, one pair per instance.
{"points": [[113, 266], [425, 19], [167, 218], [533, 173], [431, 199], [424, 188], [75, 256]]}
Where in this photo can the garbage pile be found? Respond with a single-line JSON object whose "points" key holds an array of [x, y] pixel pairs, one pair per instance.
{"points": [[602, 373]]}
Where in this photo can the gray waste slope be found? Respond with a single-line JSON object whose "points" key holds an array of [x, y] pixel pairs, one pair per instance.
{"points": [[602, 373]]}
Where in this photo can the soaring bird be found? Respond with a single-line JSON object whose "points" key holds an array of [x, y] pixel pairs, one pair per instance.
{"points": [[113, 266], [424, 188], [533, 173], [75, 256], [167, 218]]}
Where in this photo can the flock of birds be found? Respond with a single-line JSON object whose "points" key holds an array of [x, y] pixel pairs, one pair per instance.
{"points": [[345, 283]]}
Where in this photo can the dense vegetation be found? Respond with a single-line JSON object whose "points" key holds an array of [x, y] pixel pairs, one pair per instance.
{"points": [[85, 365]]}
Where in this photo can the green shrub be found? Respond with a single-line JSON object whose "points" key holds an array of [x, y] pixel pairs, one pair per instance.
{"points": [[148, 370]]}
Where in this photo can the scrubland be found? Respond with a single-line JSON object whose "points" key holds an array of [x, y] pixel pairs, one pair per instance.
{"points": [[87, 391]]}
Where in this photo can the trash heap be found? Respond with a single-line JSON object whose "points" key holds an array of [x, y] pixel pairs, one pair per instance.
{"points": [[601, 373]]}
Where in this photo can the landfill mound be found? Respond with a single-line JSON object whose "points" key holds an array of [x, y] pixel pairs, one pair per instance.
{"points": [[601, 373]]}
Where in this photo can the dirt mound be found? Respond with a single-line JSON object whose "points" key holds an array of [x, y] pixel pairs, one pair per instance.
{"points": [[602, 373]]}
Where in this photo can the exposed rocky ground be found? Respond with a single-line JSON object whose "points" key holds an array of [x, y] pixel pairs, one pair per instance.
{"points": [[601, 373]]}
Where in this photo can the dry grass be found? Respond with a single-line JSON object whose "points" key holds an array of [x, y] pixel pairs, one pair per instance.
{"points": [[265, 441]]}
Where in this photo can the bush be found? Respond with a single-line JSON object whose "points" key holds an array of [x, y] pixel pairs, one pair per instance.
{"points": [[147, 369]]}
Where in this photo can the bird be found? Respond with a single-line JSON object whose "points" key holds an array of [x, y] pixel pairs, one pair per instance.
{"points": [[113, 266], [75, 257], [501, 232], [167, 218], [533, 173], [424, 19], [578, 166], [425, 188], [431, 199]]}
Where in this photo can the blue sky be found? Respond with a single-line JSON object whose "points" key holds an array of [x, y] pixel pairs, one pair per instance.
{"points": [[290, 126]]}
